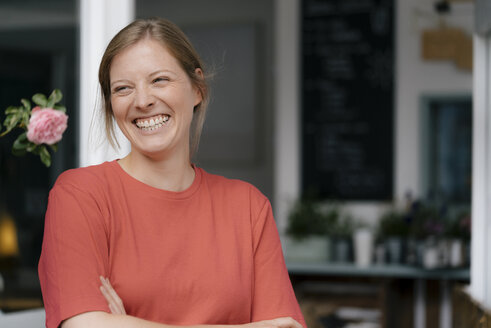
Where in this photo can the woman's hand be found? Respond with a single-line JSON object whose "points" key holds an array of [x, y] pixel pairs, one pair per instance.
{"points": [[114, 301], [283, 322]]}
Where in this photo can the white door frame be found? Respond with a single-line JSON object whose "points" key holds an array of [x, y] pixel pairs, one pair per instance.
{"points": [[100, 20]]}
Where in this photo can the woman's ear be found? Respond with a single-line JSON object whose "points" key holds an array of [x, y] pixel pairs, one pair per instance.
{"points": [[199, 96], [199, 72]]}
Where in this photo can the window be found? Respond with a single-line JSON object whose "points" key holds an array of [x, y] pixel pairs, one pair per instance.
{"points": [[447, 147], [38, 45]]}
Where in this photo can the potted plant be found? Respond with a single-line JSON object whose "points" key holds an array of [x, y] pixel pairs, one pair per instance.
{"points": [[428, 226], [308, 230], [393, 230], [342, 232], [457, 232]]}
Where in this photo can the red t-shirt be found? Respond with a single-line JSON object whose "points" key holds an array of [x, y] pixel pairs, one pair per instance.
{"points": [[207, 255]]}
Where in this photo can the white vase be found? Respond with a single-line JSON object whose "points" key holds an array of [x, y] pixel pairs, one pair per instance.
{"points": [[363, 246], [309, 249], [456, 253], [431, 254]]}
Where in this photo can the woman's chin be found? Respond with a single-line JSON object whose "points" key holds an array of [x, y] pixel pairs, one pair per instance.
{"points": [[150, 141], [152, 151]]}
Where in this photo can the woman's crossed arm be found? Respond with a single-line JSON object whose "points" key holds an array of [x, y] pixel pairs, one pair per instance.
{"points": [[118, 318]]}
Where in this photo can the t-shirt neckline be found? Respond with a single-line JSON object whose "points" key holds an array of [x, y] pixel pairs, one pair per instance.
{"points": [[135, 183]]}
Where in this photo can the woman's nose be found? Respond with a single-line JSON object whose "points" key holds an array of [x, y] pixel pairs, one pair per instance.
{"points": [[144, 99]]}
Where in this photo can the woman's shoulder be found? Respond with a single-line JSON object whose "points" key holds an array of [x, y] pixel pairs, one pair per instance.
{"points": [[88, 177]]}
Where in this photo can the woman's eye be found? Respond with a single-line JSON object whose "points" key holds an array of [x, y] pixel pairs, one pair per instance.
{"points": [[120, 89], [160, 79]]}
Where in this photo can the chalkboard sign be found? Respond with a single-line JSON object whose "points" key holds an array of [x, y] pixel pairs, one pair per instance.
{"points": [[347, 98]]}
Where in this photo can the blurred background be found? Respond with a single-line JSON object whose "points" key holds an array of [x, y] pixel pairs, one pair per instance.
{"points": [[356, 118]]}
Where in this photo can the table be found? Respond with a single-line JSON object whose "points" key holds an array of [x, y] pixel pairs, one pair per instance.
{"points": [[447, 276]]}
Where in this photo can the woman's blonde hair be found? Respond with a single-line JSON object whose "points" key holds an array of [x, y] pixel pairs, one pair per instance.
{"points": [[177, 43]]}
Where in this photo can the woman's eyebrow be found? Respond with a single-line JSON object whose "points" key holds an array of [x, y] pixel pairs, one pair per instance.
{"points": [[118, 81], [161, 71]]}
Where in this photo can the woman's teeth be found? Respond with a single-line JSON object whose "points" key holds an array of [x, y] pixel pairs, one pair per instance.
{"points": [[153, 123]]}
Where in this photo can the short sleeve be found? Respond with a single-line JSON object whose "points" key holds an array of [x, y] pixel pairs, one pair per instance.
{"points": [[74, 254], [273, 292]]}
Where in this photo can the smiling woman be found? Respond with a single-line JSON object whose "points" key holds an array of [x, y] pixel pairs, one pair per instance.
{"points": [[177, 51], [173, 244], [148, 85]]}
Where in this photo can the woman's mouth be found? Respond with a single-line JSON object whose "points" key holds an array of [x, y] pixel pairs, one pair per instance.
{"points": [[152, 123]]}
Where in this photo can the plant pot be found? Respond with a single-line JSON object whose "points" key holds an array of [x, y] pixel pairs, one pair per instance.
{"points": [[363, 247], [412, 252], [394, 249], [342, 250], [309, 249], [380, 254], [431, 254], [420, 252]]}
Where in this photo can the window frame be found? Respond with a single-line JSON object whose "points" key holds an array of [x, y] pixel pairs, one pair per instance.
{"points": [[480, 287], [99, 22]]}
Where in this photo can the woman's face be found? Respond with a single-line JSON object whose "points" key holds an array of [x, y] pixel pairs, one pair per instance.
{"points": [[152, 99]]}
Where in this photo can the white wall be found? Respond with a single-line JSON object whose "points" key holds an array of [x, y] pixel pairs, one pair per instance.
{"points": [[287, 115], [414, 77], [211, 26]]}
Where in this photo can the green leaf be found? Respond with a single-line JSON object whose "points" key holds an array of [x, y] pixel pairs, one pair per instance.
{"points": [[11, 122], [40, 100], [36, 149], [22, 137], [56, 95], [45, 156], [33, 148], [60, 108], [21, 142], [54, 147], [25, 119], [11, 110], [8, 119], [26, 103]]}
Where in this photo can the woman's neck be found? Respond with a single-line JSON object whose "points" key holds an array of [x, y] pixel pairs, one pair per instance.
{"points": [[172, 174]]}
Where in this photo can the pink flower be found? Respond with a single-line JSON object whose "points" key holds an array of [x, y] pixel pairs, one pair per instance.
{"points": [[46, 126]]}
